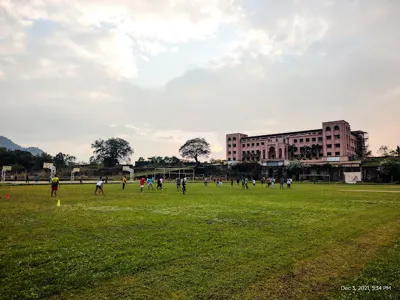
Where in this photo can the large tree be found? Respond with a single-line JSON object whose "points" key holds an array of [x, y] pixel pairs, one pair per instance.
{"points": [[390, 167], [384, 150], [195, 148], [111, 151], [395, 152], [62, 160]]}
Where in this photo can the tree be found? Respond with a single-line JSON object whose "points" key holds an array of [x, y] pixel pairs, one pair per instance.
{"points": [[291, 150], [141, 159], [295, 167], [395, 152], [111, 151], [390, 167], [383, 150], [195, 148], [62, 160]]}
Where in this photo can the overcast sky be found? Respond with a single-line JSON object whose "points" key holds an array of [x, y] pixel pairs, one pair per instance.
{"points": [[159, 72]]}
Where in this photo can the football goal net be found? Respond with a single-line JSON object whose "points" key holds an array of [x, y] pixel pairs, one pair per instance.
{"points": [[174, 173], [352, 177], [315, 178]]}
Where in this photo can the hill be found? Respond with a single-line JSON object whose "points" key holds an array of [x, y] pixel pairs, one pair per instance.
{"points": [[9, 144]]}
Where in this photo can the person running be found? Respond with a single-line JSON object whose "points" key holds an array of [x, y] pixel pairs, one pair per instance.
{"points": [[184, 185], [243, 182], [81, 179], [237, 180], [159, 183], [27, 179], [150, 183], [281, 181], [106, 179], [254, 182], [142, 181], [205, 181], [55, 182], [268, 182], [123, 182], [178, 184], [289, 183], [246, 183], [231, 181], [99, 187], [263, 180], [272, 183]]}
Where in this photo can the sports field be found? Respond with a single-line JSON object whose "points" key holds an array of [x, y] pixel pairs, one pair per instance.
{"points": [[308, 242]]}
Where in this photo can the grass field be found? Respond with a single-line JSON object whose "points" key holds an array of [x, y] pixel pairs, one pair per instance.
{"points": [[217, 243]]}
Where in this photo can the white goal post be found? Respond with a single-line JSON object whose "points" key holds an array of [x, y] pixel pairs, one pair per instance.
{"points": [[74, 170], [3, 172], [174, 173], [51, 167], [131, 172], [352, 177], [311, 177]]}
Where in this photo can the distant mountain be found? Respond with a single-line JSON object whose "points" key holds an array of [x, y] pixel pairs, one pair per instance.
{"points": [[9, 144]]}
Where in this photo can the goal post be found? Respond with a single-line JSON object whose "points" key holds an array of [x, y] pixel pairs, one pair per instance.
{"points": [[173, 173], [352, 177], [74, 170], [131, 172], [316, 177], [52, 168], [4, 169]]}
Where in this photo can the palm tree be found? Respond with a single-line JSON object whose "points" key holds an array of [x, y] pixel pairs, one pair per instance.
{"points": [[258, 155], [318, 148], [308, 151], [396, 152], [292, 149], [302, 152]]}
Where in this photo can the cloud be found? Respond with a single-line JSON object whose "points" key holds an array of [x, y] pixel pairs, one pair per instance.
{"points": [[71, 70]]}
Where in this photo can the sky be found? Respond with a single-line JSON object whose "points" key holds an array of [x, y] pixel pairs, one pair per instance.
{"points": [[160, 72]]}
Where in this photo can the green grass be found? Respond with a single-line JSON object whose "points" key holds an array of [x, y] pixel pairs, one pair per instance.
{"points": [[211, 243]]}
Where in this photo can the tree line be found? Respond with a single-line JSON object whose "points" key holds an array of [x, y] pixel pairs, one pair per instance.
{"points": [[107, 153]]}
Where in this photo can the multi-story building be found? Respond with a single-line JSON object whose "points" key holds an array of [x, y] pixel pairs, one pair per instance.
{"points": [[333, 142]]}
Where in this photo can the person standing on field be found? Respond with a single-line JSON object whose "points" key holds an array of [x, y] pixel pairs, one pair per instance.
{"points": [[150, 183], [123, 182], [99, 187], [55, 182], [178, 184], [184, 185], [281, 181], [142, 181]]}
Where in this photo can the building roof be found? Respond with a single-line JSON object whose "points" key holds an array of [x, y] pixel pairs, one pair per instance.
{"points": [[285, 133]]}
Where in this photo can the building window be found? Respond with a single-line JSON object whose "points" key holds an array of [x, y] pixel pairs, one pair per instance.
{"points": [[252, 144], [328, 128], [320, 139], [263, 154], [314, 139], [243, 145], [329, 153], [295, 141], [276, 140], [329, 146], [252, 151], [337, 153], [337, 136], [229, 139], [229, 146], [262, 143], [248, 145], [307, 140], [301, 140], [229, 152], [243, 153], [336, 127], [337, 145], [229, 159], [234, 152], [328, 137], [234, 145], [258, 144], [234, 158], [234, 139]]}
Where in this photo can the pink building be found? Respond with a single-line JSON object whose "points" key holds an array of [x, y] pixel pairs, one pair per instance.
{"points": [[333, 142]]}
